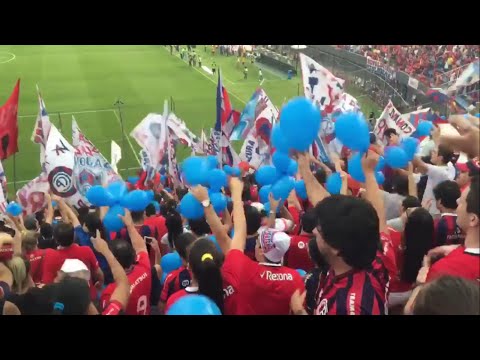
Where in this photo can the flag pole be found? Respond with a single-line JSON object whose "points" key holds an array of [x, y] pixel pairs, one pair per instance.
{"points": [[118, 104], [14, 174]]}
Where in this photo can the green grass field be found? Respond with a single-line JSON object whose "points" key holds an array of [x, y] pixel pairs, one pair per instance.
{"points": [[85, 81]]}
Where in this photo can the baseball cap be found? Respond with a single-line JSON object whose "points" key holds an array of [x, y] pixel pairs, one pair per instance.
{"points": [[258, 206], [30, 222], [274, 244]]}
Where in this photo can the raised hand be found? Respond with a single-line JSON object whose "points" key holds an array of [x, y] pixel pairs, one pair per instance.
{"points": [[127, 218], [99, 244], [369, 161], [200, 193]]}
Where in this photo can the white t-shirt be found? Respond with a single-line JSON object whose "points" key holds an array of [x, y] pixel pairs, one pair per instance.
{"points": [[436, 175]]}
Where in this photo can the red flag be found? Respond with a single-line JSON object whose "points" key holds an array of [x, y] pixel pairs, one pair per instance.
{"points": [[9, 124]]}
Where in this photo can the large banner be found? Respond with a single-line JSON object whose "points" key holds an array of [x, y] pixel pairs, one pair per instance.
{"points": [[59, 164], [404, 124], [32, 196], [90, 166], [386, 72]]}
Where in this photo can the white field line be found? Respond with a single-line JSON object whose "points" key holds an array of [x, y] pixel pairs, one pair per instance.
{"points": [[69, 113]]}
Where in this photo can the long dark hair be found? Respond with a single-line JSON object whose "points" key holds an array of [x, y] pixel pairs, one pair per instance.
{"points": [[205, 263], [418, 237], [173, 222]]}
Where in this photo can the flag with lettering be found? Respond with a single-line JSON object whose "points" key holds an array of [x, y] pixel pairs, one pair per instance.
{"points": [[32, 195], [90, 166], [9, 124], [59, 164]]}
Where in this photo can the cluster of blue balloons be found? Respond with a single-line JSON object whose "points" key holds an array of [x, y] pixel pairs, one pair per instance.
{"points": [[13, 208], [424, 128], [194, 305], [299, 125], [356, 171], [169, 262], [117, 197], [204, 171]]}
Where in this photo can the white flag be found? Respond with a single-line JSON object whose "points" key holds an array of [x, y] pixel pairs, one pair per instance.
{"points": [[32, 196], [320, 85], [116, 155], [90, 166], [3, 189], [42, 128], [172, 160], [59, 164]]}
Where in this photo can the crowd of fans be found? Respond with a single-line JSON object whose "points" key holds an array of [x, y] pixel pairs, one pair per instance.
{"points": [[411, 247], [434, 65]]}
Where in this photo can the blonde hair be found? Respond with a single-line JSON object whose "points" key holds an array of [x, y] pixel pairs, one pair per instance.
{"points": [[19, 273], [29, 240]]}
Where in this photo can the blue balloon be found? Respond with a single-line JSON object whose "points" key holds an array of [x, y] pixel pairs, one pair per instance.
{"points": [[117, 190], [167, 189], [281, 161], [266, 175], [302, 273], [111, 220], [190, 207], [163, 178], [395, 157], [150, 194], [97, 195], [379, 177], [236, 171], [424, 128], [380, 164], [410, 145], [217, 179], [334, 184], [279, 141], [292, 168], [136, 200], [219, 202], [266, 207], [195, 170], [13, 208], [194, 305], [214, 240], [352, 130], [282, 187], [212, 161], [477, 115], [54, 204], [300, 189], [227, 169], [263, 193], [355, 167], [170, 262], [133, 179], [163, 171], [300, 122]]}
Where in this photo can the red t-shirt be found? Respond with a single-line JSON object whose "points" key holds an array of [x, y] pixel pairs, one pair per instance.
{"points": [[177, 280], [179, 294], [157, 222], [447, 232], [36, 259], [460, 262], [54, 260], [140, 279], [396, 284], [296, 219], [253, 288], [297, 255]]}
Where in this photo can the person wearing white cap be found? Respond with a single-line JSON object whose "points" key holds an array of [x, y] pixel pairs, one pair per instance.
{"points": [[251, 288]]}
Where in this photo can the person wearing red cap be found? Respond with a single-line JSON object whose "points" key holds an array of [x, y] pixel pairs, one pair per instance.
{"points": [[252, 288], [465, 172]]}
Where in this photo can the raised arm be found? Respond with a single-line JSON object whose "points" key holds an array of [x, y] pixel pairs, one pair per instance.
{"points": [[138, 243], [49, 209], [122, 289], [469, 139], [239, 221], [227, 220], [66, 211], [272, 215], [315, 191], [218, 230], [412, 186], [372, 191]]}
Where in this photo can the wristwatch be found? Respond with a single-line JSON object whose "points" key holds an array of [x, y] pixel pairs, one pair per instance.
{"points": [[206, 203]]}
